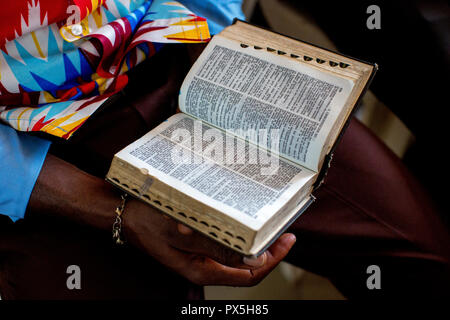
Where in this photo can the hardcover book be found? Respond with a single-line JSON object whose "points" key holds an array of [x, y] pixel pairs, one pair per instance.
{"points": [[260, 116]]}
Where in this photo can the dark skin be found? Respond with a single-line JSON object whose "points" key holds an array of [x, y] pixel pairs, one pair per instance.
{"points": [[92, 201]]}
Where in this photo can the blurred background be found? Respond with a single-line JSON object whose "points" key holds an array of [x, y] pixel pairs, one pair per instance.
{"points": [[406, 106]]}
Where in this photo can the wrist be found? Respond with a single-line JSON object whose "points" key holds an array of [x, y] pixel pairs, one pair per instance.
{"points": [[132, 219], [66, 191], [103, 200]]}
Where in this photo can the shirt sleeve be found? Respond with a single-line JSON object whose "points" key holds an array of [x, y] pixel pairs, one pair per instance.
{"points": [[219, 13], [21, 160]]}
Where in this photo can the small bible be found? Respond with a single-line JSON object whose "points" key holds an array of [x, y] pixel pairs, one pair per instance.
{"points": [[261, 114]]}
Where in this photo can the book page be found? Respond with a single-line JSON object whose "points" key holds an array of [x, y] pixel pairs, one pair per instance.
{"points": [[250, 186], [245, 90]]}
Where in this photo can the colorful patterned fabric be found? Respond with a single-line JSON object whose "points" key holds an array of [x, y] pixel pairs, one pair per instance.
{"points": [[54, 73]]}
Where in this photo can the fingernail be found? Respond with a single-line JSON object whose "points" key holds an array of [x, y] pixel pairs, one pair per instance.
{"points": [[255, 262], [293, 238]]}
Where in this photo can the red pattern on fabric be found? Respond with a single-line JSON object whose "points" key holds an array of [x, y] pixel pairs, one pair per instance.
{"points": [[86, 6], [14, 12], [40, 124]]}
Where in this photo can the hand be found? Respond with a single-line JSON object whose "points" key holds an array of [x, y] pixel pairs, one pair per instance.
{"points": [[65, 191], [194, 256]]}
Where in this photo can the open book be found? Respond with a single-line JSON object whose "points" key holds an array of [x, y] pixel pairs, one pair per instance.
{"points": [[260, 116]]}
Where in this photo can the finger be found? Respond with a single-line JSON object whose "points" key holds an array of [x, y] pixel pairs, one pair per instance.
{"points": [[274, 255], [206, 271], [256, 262], [199, 244], [203, 271], [188, 240]]}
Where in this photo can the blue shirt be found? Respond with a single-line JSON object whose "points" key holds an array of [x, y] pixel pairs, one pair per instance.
{"points": [[22, 155], [219, 13], [21, 159]]}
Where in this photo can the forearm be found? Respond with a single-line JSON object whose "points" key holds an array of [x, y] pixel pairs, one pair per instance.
{"points": [[65, 191]]}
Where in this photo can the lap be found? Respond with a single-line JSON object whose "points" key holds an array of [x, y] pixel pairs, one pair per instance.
{"points": [[369, 211]]}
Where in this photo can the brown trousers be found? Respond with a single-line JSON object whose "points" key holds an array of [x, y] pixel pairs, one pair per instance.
{"points": [[370, 211]]}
